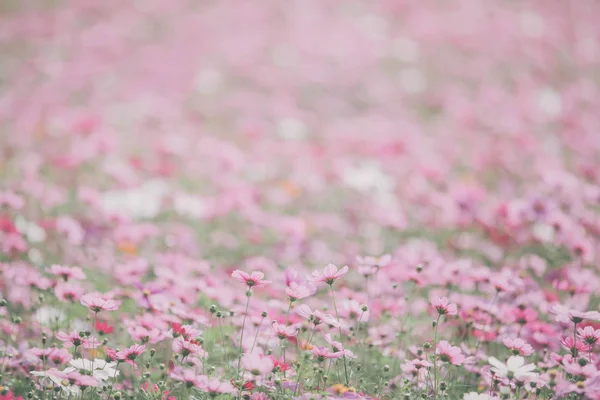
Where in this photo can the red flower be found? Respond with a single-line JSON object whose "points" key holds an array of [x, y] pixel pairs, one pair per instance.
{"points": [[103, 328]]}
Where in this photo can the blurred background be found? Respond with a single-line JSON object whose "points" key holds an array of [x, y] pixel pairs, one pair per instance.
{"points": [[298, 105]]}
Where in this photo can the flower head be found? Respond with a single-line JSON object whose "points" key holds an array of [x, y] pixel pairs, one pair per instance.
{"points": [[515, 368], [443, 306], [518, 347], [255, 279], [448, 353], [98, 302], [330, 274]]}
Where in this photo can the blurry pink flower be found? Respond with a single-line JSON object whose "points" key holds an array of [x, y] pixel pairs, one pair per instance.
{"points": [[330, 274], [296, 291], [188, 377], [186, 348], [257, 364], [575, 348], [518, 347], [79, 379], [449, 353], [97, 302], [130, 354], [66, 273], [283, 331], [255, 279], [443, 306], [323, 353], [69, 339], [141, 334], [317, 317], [564, 314], [68, 292], [215, 386], [589, 335], [337, 346]]}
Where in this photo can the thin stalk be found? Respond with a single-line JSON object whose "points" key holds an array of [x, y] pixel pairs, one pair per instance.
{"points": [[337, 315], [248, 295], [435, 369]]}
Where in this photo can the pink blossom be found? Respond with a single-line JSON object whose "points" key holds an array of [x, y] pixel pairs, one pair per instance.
{"points": [[330, 274], [443, 306], [255, 279], [449, 353], [97, 302]]}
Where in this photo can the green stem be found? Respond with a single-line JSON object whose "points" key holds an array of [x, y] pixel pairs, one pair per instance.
{"points": [[248, 295], [302, 359], [337, 315], [435, 369], [256, 336]]}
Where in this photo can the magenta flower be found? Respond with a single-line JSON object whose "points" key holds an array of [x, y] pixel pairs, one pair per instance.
{"points": [[214, 386], [130, 354], [518, 347], [255, 279], [66, 273], [323, 353], [187, 376], [283, 332], [448, 353], [564, 314], [317, 317], [589, 335], [443, 306], [330, 274], [574, 347], [69, 339], [97, 302], [186, 348], [296, 291], [257, 364]]}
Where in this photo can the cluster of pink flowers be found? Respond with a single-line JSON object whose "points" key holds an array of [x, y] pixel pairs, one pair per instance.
{"points": [[306, 199]]}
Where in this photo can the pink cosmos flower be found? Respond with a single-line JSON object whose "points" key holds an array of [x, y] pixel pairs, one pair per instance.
{"points": [[338, 346], [317, 317], [323, 353], [69, 339], [68, 292], [130, 354], [330, 274], [518, 347], [564, 314], [257, 364], [141, 334], [449, 353], [575, 348], [215, 386], [283, 331], [66, 273], [81, 380], [255, 279], [589, 335], [97, 302], [59, 356], [186, 348], [296, 291], [443, 306], [370, 265], [187, 376]]}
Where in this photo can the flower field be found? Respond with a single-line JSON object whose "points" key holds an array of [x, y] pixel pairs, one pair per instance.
{"points": [[302, 199]]}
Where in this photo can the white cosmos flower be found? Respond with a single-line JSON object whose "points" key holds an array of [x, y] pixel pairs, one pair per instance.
{"points": [[102, 370], [515, 368]]}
